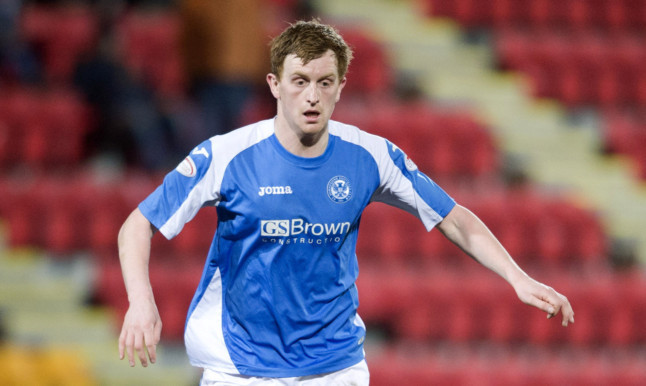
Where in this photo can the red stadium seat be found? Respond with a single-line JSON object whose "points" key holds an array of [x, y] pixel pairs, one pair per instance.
{"points": [[374, 73], [195, 239], [60, 220], [23, 213], [594, 310], [67, 121], [46, 128], [512, 50], [63, 32], [426, 314], [150, 40], [506, 14]]}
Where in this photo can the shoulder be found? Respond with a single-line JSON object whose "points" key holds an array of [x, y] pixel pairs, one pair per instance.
{"points": [[388, 156], [217, 151], [227, 146], [244, 137], [373, 144]]}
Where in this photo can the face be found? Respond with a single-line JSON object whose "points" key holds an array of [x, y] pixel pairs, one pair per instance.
{"points": [[306, 94]]}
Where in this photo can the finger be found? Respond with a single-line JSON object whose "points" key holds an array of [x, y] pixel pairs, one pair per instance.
{"points": [[543, 305], [158, 330], [122, 343], [568, 314], [157, 336], [151, 346], [129, 339], [552, 310], [141, 349]]}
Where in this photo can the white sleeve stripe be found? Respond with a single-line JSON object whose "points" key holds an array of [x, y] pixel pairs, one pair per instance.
{"points": [[224, 149], [395, 188]]}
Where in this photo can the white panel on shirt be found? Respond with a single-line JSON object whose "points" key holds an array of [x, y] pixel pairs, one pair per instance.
{"points": [[224, 149], [394, 188], [203, 337]]}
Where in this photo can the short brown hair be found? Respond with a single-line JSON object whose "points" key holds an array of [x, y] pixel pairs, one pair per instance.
{"points": [[309, 40]]}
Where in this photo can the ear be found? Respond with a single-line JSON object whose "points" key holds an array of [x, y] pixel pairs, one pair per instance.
{"points": [[341, 85], [272, 81]]}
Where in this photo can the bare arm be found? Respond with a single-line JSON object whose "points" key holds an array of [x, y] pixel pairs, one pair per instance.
{"points": [[141, 326], [466, 230]]}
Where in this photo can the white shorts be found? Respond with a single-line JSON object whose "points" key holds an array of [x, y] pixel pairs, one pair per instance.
{"points": [[357, 375]]}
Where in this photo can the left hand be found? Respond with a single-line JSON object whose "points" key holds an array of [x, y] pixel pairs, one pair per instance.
{"points": [[545, 298]]}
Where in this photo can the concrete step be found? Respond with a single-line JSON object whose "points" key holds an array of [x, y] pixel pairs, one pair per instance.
{"points": [[42, 305]]}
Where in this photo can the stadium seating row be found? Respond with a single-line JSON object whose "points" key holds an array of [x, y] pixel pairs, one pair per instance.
{"points": [[474, 305], [535, 230], [438, 304], [63, 35], [577, 69], [445, 144], [575, 15], [67, 214], [397, 365], [42, 129]]}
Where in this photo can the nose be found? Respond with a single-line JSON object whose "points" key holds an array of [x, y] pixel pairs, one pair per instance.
{"points": [[313, 93]]}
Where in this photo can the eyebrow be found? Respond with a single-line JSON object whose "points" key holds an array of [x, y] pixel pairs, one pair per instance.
{"points": [[303, 75]]}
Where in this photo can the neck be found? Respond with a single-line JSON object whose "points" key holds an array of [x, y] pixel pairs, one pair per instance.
{"points": [[308, 145]]}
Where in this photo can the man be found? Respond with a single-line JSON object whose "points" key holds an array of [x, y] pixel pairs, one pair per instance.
{"points": [[277, 298]]}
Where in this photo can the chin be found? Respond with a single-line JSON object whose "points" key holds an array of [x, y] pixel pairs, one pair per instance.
{"points": [[313, 129]]}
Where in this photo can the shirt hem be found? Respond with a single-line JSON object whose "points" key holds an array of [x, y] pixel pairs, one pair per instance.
{"points": [[284, 373]]}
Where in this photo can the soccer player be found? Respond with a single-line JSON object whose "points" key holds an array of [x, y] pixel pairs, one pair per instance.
{"points": [[277, 298]]}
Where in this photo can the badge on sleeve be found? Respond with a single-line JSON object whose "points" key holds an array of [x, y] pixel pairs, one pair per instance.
{"points": [[187, 167]]}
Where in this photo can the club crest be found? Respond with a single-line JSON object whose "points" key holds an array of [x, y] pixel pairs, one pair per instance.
{"points": [[339, 189]]}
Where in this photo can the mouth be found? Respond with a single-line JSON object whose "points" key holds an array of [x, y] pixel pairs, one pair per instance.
{"points": [[312, 115]]}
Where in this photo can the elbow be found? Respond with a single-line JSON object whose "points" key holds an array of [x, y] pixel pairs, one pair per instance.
{"points": [[460, 225], [123, 231], [122, 234]]}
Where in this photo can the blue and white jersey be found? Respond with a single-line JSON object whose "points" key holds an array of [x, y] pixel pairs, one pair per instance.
{"points": [[277, 297]]}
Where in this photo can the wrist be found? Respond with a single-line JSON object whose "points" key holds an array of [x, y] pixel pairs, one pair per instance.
{"points": [[141, 295], [516, 276]]}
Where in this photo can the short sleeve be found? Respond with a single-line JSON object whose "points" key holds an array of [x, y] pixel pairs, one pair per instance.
{"points": [[404, 186], [183, 192]]}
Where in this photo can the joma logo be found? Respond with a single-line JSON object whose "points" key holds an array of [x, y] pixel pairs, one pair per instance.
{"points": [[268, 190]]}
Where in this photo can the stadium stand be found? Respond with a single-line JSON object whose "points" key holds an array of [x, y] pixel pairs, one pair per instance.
{"points": [[582, 53], [434, 317]]}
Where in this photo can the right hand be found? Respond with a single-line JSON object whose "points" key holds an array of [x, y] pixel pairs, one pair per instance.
{"points": [[140, 333]]}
